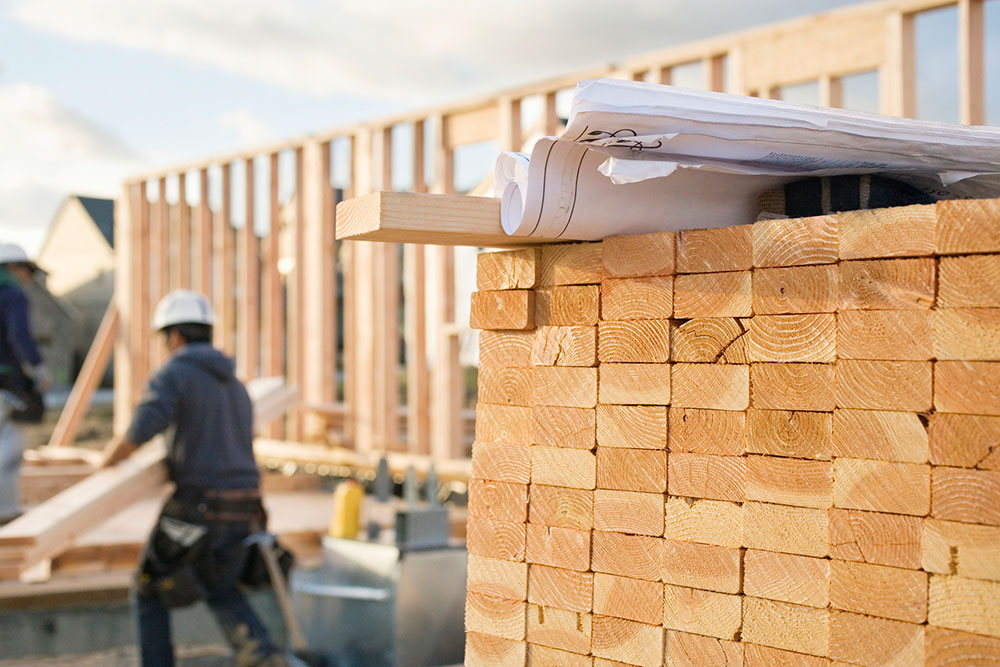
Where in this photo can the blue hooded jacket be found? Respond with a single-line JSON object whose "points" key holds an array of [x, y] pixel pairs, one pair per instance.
{"points": [[197, 393], [17, 347]]}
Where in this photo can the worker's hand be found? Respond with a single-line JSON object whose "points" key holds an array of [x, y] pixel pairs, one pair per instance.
{"points": [[117, 449], [43, 379]]}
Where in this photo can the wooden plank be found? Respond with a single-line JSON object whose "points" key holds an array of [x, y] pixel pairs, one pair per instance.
{"points": [[568, 305], [559, 628], [971, 59], [807, 435], [565, 548], [877, 590], [704, 521], [709, 340], [902, 231], [971, 387], [727, 294], [799, 289], [418, 379], [639, 255], [632, 426], [971, 334], [637, 298], [631, 469], [471, 126], [887, 284], [969, 282], [786, 626], [508, 309], [634, 556], [878, 486], [507, 270], [632, 599], [790, 530], [505, 386], [965, 441], [248, 315], [863, 640], [497, 578], [786, 577], [774, 479], [712, 250], [642, 341], [964, 549], [184, 243], [710, 386], [564, 346], [417, 217], [504, 424], [885, 334], [90, 376], [793, 386], [968, 226], [789, 338], [898, 93], [272, 355], [628, 512], [564, 427], [46, 530], [880, 435], [570, 264], [565, 386], [539, 655], [486, 650], [960, 494], [884, 385], [501, 501], [707, 476], [633, 384], [873, 537], [224, 282], [703, 566], [561, 588], [702, 612], [765, 656], [964, 604], [561, 507], [627, 641], [951, 647], [721, 432], [495, 539], [501, 461], [688, 650], [495, 616], [795, 241], [504, 348], [125, 211], [561, 466]]}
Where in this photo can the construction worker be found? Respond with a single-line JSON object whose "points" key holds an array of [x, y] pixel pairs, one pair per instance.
{"points": [[197, 549], [22, 374]]}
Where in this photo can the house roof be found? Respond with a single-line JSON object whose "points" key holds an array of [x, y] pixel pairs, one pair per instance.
{"points": [[101, 212]]}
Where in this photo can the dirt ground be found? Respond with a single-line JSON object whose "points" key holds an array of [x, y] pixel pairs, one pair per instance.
{"points": [[94, 431], [128, 656]]}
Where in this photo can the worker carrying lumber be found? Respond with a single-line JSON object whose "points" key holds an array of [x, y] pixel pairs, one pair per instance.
{"points": [[197, 549], [23, 378]]}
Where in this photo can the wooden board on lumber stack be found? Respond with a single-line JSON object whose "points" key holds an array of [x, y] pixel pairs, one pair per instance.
{"points": [[48, 529], [783, 452]]}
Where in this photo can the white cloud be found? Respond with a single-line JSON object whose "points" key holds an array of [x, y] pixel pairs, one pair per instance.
{"points": [[248, 129], [409, 50], [50, 151]]}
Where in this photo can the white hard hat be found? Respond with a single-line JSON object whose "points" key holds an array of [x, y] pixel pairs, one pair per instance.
{"points": [[11, 253], [183, 307]]}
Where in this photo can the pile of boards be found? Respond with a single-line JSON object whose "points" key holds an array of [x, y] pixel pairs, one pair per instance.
{"points": [[769, 444]]}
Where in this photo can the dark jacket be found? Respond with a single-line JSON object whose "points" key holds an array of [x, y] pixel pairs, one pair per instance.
{"points": [[197, 393], [17, 347]]}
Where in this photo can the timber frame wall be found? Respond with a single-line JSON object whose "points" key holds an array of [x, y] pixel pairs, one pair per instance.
{"points": [[287, 324]]}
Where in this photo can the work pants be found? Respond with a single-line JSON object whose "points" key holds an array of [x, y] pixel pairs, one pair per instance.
{"points": [[11, 449], [223, 556]]}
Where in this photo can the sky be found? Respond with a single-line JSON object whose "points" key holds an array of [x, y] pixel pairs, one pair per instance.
{"points": [[94, 90]]}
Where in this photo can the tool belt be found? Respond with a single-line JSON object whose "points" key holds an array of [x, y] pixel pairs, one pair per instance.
{"points": [[176, 565]]}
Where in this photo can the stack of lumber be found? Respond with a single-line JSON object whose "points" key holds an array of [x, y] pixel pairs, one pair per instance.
{"points": [[769, 444]]}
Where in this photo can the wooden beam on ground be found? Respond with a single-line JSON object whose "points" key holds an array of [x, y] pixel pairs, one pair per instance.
{"points": [[90, 375], [413, 217]]}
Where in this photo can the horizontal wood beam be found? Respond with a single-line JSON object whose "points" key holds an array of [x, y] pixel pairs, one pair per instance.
{"points": [[410, 217]]}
